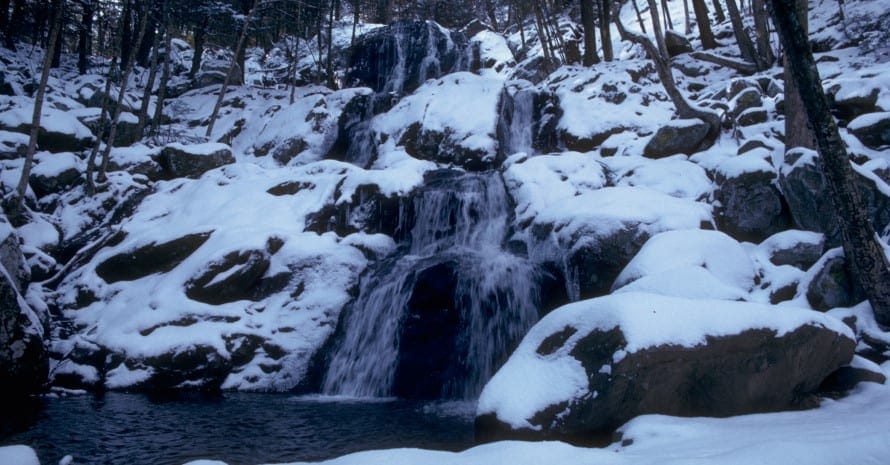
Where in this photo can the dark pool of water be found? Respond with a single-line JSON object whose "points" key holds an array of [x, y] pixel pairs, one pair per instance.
{"points": [[238, 428]]}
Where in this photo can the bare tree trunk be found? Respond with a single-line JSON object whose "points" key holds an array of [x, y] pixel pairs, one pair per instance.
{"points": [[761, 28], [656, 26], [165, 75], [112, 131], [704, 24], [663, 68], [330, 57], [200, 34], [589, 25], [605, 31], [639, 15], [542, 37], [491, 13], [668, 22], [718, 11], [225, 85], [103, 115], [21, 189], [746, 47], [798, 131], [686, 22], [146, 93], [84, 38], [864, 255], [355, 18]]}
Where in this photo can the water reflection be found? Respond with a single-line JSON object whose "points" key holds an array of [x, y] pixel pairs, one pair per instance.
{"points": [[238, 428]]}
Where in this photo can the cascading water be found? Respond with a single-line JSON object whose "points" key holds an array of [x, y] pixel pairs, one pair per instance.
{"points": [[516, 121], [445, 312]]}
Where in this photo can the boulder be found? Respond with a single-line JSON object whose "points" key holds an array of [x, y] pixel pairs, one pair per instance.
{"points": [[873, 129], [59, 131], [191, 161], [751, 206], [853, 101], [369, 211], [11, 257], [804, 188], [752, 116], [24, 364], [800, 249], [676, 43], [587, 368], [54, 173], [237, 276], [832, 286], [149, 259], [680, 136], [746, 99], [400, 57], [13, 145]]}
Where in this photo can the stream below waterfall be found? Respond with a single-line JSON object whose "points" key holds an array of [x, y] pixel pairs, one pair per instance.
{"points": [[237, 428]]}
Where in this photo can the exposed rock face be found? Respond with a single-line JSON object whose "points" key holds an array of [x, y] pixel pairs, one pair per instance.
{"points": [[371, 212], [800, 249], [400, 57], [832, 286], [23, 357], [805, 190], [149, 259], [681, 136], [191, 161], [612, 372], [872, 129], [849, 104], [752, 208], [677, 44]]}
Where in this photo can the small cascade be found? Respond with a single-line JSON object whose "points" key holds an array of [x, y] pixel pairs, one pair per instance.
{"points": [[517, 119], [436, 320]]}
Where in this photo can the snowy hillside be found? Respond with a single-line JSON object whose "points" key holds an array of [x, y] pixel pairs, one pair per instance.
{"points": [[459, 221]]}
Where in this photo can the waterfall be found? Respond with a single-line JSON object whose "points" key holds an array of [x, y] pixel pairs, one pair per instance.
{"points": [[453, 291], [517, 119]]}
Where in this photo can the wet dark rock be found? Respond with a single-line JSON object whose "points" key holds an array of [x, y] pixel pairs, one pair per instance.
{"points": [[150, 259], [801, 253], [752, 208], [596, 262], [851, 105], [241, 271], [832, 286], [681, 136], [872, 129], [355, 141], [369, 211], [428, 352], [846, 378], [752, 116], [24, 364], [197, 367], [184, 161], [755, 370], [676, 43], [395, 58], [442, 146]]}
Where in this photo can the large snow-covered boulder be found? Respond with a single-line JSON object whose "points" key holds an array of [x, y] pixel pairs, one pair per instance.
{"points": [[751, 206], [588, 367], [55, 172], [451, 120], [873, 129], [690, 263], [400, 57], [191, 161], [681, 136], [567, 215], [59, 130]]}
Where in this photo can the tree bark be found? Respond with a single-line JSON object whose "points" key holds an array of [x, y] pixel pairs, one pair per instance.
{"points": [[22, 187], [112, 130], [798, 130], [200, 33], [665, 11], [864, 255], [761, 29], [85, 37], [165, 75], [16, 19], [704, 24], [656, 26], [746, 47], [605, 28], [146, 93], [103, 115], [589, 25], [718, 11], [225, 84], [491, 13]]}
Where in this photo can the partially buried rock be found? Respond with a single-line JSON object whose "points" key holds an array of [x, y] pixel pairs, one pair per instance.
{"points": [[588, 367], [680, 136], [191, 161], [873, 129]]}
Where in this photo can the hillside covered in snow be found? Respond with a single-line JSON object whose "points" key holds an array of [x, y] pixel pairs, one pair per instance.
{"points": [[463, 217]]}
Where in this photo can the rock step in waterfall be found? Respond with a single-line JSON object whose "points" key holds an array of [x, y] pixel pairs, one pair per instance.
{"points": [[437, 319]]}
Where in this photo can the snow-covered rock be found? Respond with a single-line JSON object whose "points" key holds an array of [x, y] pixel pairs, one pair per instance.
{"points": [[873, 129], [59, 130], [751, 206], [192, 161], [589, 367]]}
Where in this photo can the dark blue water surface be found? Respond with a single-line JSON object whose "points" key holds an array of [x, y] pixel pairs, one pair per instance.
{"points": [[238, 428]]}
